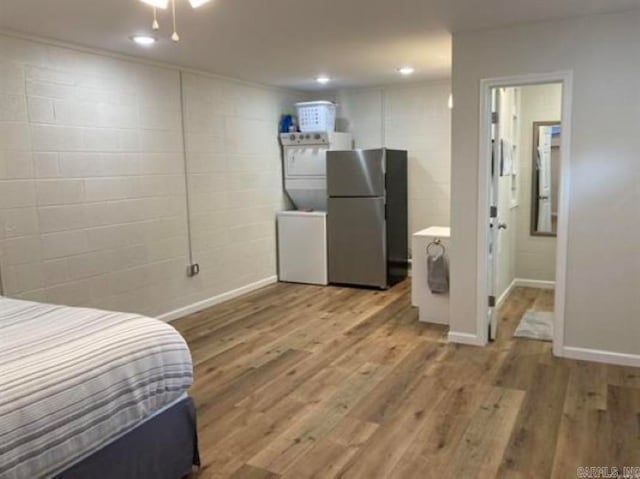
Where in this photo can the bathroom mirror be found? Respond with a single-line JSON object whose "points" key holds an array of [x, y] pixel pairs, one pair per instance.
{"points": [[545, 178]]}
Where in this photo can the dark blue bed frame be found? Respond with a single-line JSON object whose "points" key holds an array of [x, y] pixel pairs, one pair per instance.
{"points": [[164, 447]]}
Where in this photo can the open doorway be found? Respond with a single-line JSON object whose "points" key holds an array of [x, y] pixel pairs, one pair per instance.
{"points": [[523, 244]]}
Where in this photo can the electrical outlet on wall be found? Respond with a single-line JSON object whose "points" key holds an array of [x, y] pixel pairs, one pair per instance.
{"points": [[193, 269]]}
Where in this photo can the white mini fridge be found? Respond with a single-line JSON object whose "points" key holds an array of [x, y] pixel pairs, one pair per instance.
{"points": [[302, 247]]}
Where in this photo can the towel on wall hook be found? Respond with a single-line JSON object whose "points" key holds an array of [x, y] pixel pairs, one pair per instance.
{"points": [[437, 268]]}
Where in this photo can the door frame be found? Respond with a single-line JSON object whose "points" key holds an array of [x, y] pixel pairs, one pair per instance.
{"points": [[484, 177]]}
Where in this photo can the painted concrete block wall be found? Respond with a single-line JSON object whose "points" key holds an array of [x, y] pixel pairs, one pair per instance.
{"points": [[235, 180], [361, 112], [536, 255], [92, 189], [603, 277], [416, 118]]}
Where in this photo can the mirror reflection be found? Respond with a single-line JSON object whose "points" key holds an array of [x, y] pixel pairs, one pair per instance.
{"points": [[545, 178]]}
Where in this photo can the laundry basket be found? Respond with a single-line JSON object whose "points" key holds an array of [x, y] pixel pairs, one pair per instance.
{"points": [[316, 116]]}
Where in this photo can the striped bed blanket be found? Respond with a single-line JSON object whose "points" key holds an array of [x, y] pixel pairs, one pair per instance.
{"points": [[72, 380]]}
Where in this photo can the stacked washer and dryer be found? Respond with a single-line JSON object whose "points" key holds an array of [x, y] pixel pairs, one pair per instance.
{"points": [[349, 225], [302, 233]]}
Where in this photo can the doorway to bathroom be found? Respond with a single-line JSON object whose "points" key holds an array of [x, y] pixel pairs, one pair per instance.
{"points": [[525, 145]]}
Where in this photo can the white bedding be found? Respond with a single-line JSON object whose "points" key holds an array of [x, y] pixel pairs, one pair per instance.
{"points": [[74, 379]]}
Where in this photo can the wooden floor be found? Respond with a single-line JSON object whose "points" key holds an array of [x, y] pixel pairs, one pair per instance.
{"points": [[300, 381]]}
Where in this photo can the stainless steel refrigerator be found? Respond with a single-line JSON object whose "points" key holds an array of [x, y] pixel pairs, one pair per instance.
{"points": [[367, 217]]}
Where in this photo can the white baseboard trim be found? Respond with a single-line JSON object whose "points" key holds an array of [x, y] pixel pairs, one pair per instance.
{"points": [[600, 356], [206, 303], [524, 283], [503, 297], [465, 338], [533, 283]]}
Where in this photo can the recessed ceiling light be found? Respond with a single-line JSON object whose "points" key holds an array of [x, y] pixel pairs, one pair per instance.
{"points": [[157, 3], [144, 40], [323, 79], [197, 3], [406, 70], [165, 3]]}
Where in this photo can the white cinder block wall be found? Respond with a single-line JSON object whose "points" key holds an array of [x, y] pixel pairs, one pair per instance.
{"points": [[235, 180], [92, 188], [416, 118]]}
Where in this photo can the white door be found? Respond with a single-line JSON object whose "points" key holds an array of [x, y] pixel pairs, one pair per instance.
{"points": [[302, 247], [492, 314]]}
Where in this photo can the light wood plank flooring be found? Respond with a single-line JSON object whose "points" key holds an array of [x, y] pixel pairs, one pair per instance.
{"points": [[299, 381]]}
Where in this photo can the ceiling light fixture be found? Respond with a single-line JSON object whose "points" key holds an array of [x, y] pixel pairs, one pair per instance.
{"points": [[163, 4], [323, 79], [144, 40], [406, 70], [157, 3]]}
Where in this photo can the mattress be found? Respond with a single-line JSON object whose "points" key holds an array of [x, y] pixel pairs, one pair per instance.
{"points": [[74, 379]]}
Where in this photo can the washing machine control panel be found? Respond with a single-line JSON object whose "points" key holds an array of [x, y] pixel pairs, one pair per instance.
{"points": [[311, 138]]}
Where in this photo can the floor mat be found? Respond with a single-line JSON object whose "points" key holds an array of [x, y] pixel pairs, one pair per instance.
{"points": [[536, 325]]}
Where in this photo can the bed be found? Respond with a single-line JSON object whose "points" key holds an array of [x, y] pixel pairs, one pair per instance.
{"points": [[86, 393]]}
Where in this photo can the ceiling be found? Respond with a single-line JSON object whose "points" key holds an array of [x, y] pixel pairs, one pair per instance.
{"points": [[290, 42]]}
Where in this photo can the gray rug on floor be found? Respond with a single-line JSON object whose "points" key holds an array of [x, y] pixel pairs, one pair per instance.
{"points": [[536, 325]]}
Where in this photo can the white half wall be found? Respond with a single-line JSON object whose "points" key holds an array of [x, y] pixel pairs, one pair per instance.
{"points": [[603, 269], [92, 180]]}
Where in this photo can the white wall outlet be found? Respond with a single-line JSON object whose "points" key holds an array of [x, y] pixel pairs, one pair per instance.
{"points": [[193, 269]]}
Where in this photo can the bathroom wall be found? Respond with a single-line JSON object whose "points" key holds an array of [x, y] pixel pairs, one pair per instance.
{"points": [[536, 255], [521, 255], [92, 180], [603, 277], [414, 117]]}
